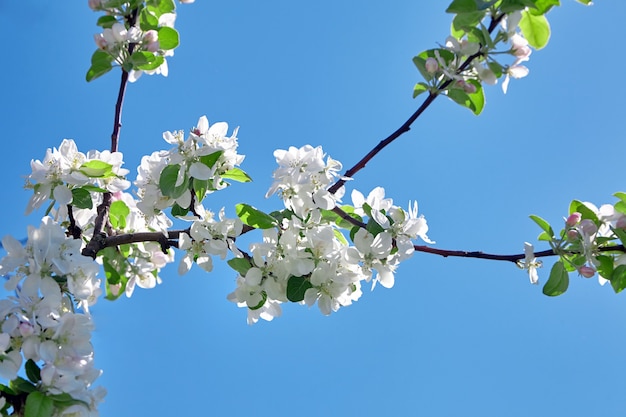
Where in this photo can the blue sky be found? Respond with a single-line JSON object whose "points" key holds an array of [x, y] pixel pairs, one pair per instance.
{"points": [[454, 337]]}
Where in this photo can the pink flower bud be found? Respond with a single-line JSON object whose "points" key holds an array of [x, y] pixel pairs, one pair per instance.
{"points": [[94, 4], [100, 41], [588, 227], [586, 271], [469, 88], [432, 66], [572, 234], [621, 223], [573, 219], [151, 36], [26, 329]]}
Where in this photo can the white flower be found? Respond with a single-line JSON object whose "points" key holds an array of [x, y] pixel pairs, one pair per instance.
{"points": [[530, 263]]}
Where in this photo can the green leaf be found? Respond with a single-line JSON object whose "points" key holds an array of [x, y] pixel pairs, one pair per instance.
{"points": [[179, 211], [236, 174], [106, 22], [558, 282], [19, 385], [419, 89], [142, 58], [544, 236], [118, 213], [474, 101], [240, 265], [100, 65], [467, 21], [508, 6], [296, 287], [97, 169], [167, 182], [606, 265], [81, 198], [33, 373], [38, 405], [535, 29], [543, 6], [618, 278], [462, 6], [585, 2], [210, 159], [254, 218], [148, 19], [621, 234], [545, 226], [168, 38], [373, 227]]}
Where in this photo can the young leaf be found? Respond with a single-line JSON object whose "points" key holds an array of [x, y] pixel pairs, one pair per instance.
{"points": [[118, 213], [473, 101], [558, 282], [168, 38], [545, 226], [38, 405], [100, 65], [81, 198], [106, 22], [167, 182], [254, 218], [535, 29], [419, 89], [618, 278], [240, 265], [33, 373], [462, 6], [236, 174], [296, 287], [19, 385], [210, 159], [179, 211], [97, 169]]}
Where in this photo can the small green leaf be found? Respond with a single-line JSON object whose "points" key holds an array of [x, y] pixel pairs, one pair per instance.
{"points": [[618, 278], [474, 101], [32, 371], [240, 265], [236, 174], [38, 405], [140, 58], [508, 6], [467, 21], [97, 169], [167, 182], [296, 287], [543, 6], [621, 234], [148, 19], [178, 211], [462, 6], [254, 218], [19, 385], [81, 198], [585, 2], [558, 282], [419, 89], [535, 29], [106, 22], [606, 265], [118, 213], [154, 64], [210, 159], [100, 65], [545, 226], [168, 38]]}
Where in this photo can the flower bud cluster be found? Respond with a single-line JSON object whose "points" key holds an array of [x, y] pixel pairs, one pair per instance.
{"points": [[40, 323], [308, 258]]}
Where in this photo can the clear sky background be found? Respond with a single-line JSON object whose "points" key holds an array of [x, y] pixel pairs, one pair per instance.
{"points": [[454, 337]]}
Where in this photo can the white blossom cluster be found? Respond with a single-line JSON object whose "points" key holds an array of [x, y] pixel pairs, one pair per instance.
{"points": [[309, 249], [40, 323]]}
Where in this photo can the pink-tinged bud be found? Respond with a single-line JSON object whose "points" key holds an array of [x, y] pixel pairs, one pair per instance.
{"points": [[432, 66], [95, 4], [573, 219], [100, 41], [469, 88], [588, 227], [152, 46], [151, 36], [572, 234], [621, 223], [115, 289], [586, 271], [26, 329]]}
